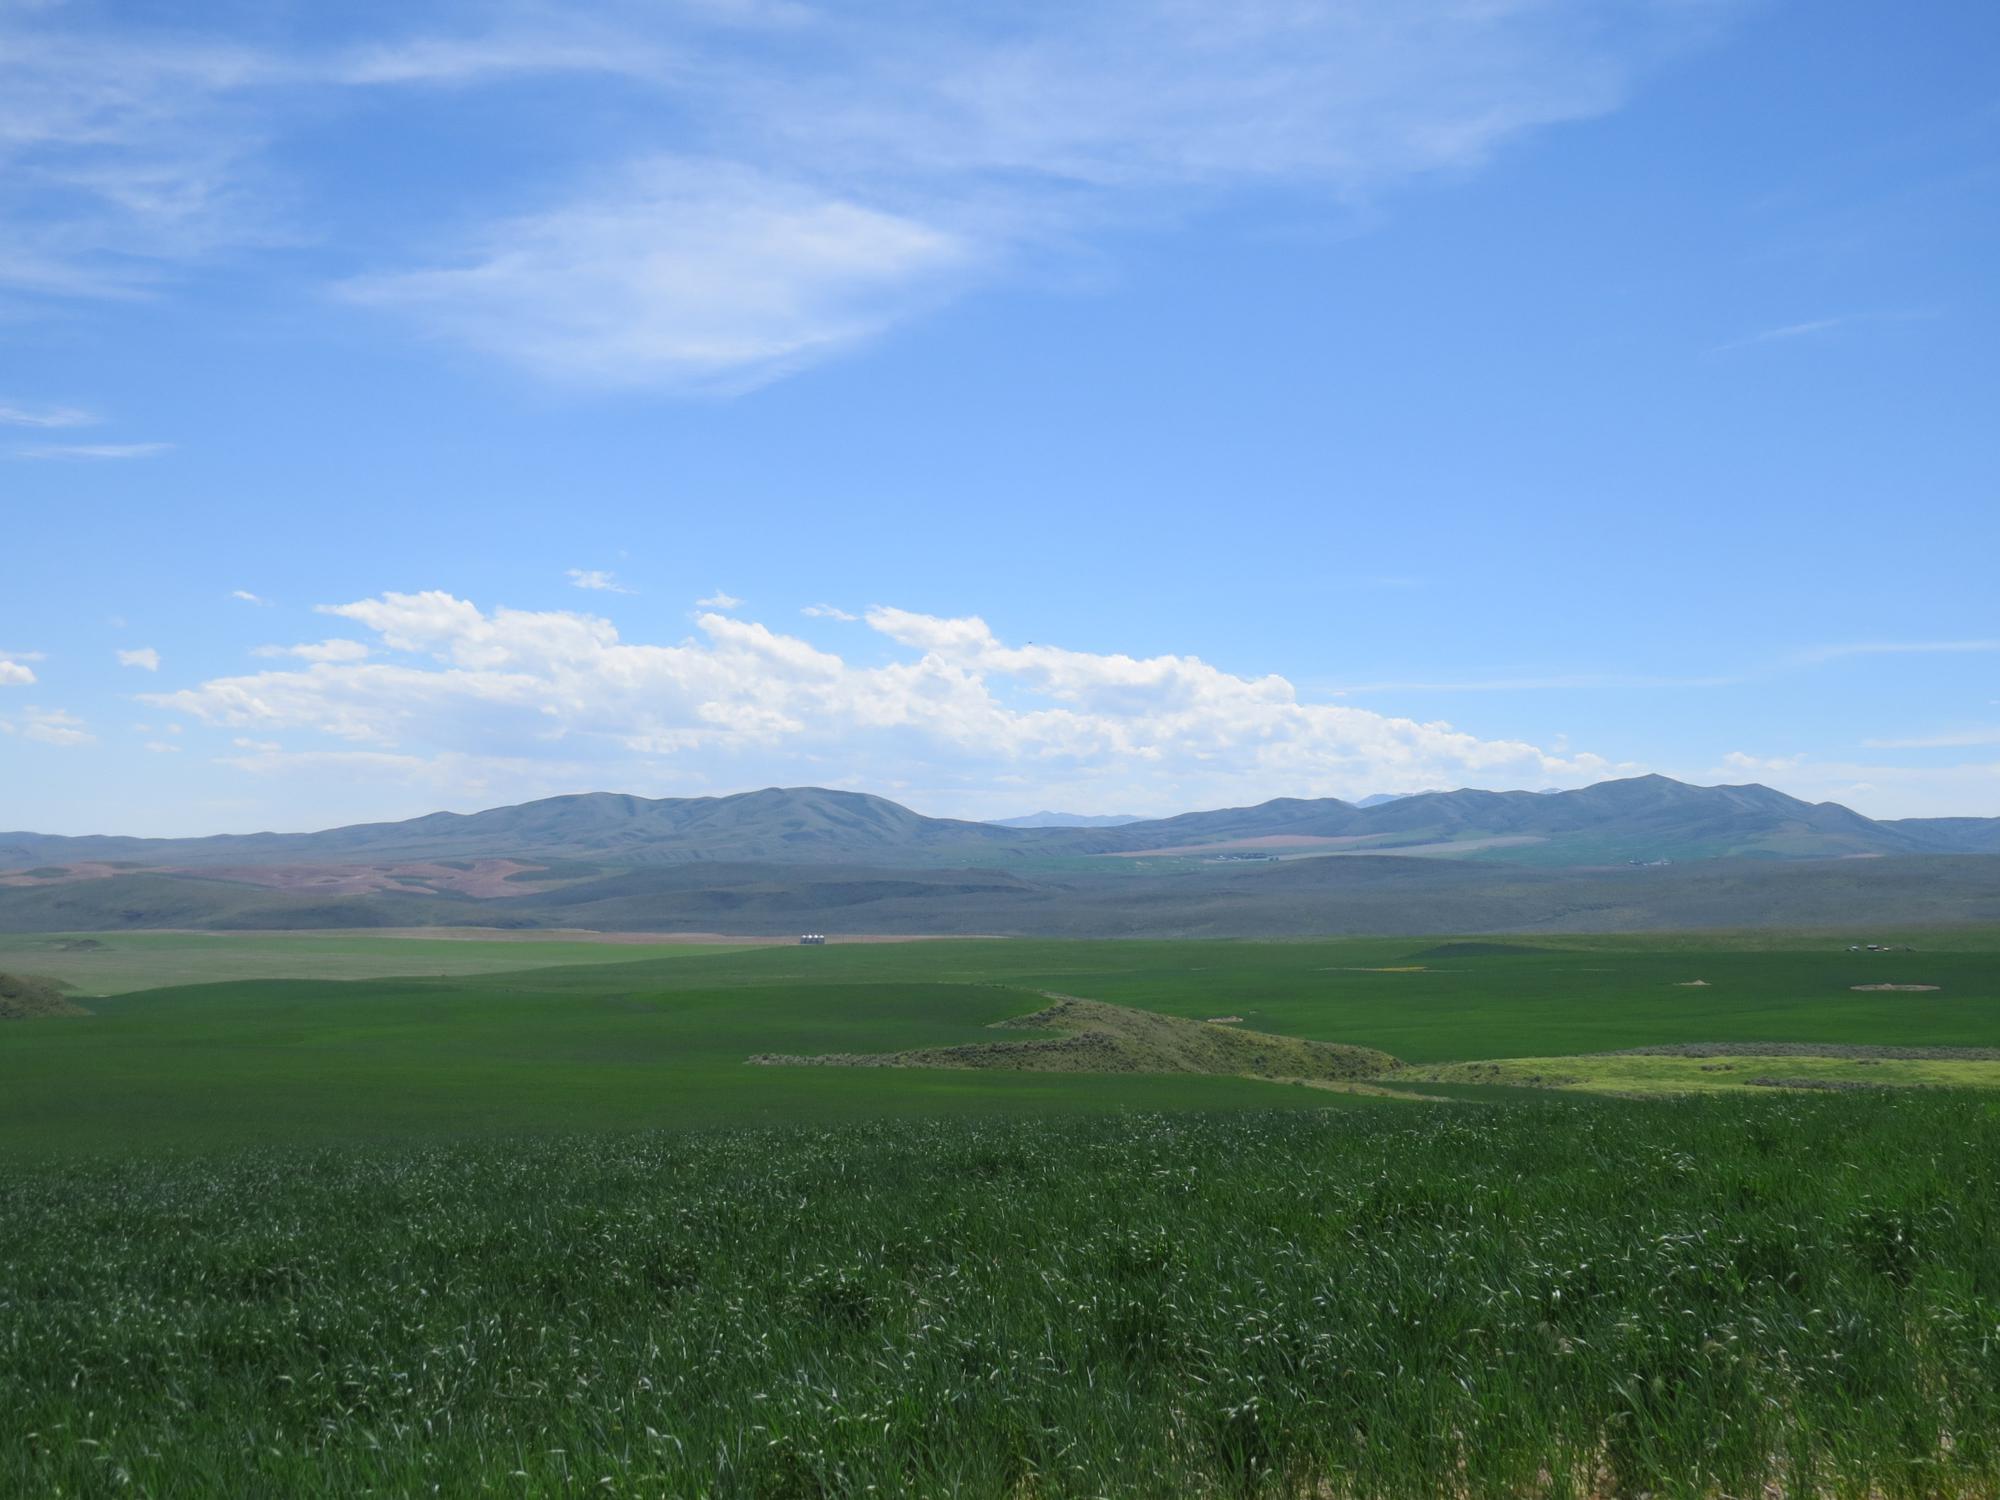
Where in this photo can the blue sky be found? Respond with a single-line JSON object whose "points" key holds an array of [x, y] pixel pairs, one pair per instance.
{"points": [[1122, 408]]}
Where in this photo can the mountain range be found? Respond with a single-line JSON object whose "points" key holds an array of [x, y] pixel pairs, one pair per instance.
{"points": [[1641, 819], [1646, 852]]}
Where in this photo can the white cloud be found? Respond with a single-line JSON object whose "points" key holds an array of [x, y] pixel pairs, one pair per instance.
{"points": [[143, 657], [161, 747], [249, 598], [693, 275], [1897, 648], [96, 452], [335, 650], [836, 196], [1963, 739], [1740, 761], [740, 704], [459, 61], [719, 600], [1782, 335], [841, 167], [49, 726], [598, 579], [47, 416], [827, 612], [15, 674]]}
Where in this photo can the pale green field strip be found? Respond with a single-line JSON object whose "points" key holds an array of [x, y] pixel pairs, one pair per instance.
{"points": [[116, 963], [1721, 1072]]}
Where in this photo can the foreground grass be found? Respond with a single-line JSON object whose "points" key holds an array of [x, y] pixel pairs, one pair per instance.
{"points": [[1564, 1297]]}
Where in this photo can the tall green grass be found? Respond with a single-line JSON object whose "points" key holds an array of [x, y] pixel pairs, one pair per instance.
{"points": [[1565, 1297]]}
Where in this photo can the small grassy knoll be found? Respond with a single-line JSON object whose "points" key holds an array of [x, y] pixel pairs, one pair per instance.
{"points": [[29, 997]]}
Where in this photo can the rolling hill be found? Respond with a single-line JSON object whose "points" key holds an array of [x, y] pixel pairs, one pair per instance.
{"points": [[558, 842]]}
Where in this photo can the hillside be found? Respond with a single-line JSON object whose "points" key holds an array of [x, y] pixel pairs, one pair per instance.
{"points": [[1641, 820], [1289, 899]]}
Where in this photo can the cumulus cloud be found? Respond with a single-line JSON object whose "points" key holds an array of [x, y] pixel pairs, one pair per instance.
{"points": [[15, 674], [246, 597], [597, 579], [827, 612], [335, 650], [143, 657], [959, 715], [1738, 761], [719, 600], [49, 726]]}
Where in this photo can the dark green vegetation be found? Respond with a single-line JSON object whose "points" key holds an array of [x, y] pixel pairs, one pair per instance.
{"points": [[1642, 854], [1563, 1298], [548, 1231], [29, 997], [663, 1041]]}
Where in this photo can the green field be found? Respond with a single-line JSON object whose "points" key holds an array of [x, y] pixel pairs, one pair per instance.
{"points": [[111, 963], [546, 1228], [624, 1042], [1563, 1298]]}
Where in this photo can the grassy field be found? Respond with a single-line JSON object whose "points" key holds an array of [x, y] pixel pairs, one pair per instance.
{"points": [[1563, 1298], [662, 1039], [547, 1229], [112, 963]]}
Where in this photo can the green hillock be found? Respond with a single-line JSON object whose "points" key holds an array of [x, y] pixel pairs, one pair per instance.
{"points": [[1095, 1037], [28, 997]]}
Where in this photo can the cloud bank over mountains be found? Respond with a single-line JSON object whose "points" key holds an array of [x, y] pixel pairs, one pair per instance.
{"points": [[516, 700]]}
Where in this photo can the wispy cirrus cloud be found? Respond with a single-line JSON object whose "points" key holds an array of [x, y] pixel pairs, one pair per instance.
{"points": [[94, 452], [765, 185], [827, 612], [1897, 648], [1953, 740], [741, 702], [15, 415], [1783, 334], [1559, 682], [681, 274]]}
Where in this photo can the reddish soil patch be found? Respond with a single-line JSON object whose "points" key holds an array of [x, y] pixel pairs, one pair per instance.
{"points": [[68, 876]]}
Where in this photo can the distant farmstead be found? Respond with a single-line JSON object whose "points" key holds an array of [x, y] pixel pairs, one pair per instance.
{"points": [[812, 940]]}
